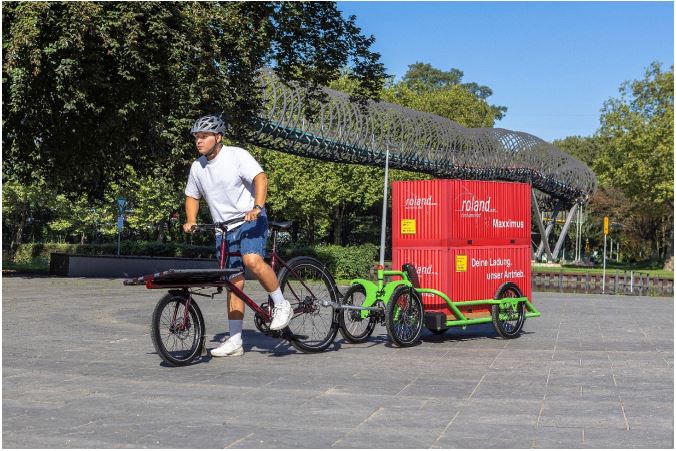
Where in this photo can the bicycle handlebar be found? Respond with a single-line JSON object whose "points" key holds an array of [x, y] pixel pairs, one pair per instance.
{"points": [[222, 226]]}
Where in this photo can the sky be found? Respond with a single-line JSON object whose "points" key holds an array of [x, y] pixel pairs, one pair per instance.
{"points": [[552, 64]]}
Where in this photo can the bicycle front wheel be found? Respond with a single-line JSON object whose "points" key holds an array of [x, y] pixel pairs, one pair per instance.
{"points": [[404, 316], [177, 334], [312, 292]]}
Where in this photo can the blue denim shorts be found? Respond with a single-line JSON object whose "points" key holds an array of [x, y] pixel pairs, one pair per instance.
{"points": [[249, 238]]}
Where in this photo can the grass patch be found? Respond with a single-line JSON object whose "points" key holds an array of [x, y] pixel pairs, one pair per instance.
{"points": [[610, 270], [35, 267]]}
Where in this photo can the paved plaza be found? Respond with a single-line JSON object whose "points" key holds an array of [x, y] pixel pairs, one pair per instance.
{"points": [[79, 370]]}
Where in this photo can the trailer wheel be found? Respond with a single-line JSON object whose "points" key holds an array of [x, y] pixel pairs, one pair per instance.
{"points": [[508, 320], [404, 317]]}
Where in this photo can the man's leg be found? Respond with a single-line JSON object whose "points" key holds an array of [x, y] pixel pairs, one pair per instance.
{"points": [[235, 304], [266, 276], [233, 345], [263, 272]]}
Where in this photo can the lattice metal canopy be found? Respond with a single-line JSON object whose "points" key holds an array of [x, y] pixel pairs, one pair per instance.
{"points": [[423, 142]]}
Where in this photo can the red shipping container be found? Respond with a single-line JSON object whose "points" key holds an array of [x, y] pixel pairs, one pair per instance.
{"points": [[467, 273], [446, 213]]}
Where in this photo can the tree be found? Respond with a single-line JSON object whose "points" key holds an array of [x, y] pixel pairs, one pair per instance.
{"points": [[637, 132], [92, 87], [20, 203], [155, 201], [423, 78], [454, 103], [585, 148], [632, 156]]}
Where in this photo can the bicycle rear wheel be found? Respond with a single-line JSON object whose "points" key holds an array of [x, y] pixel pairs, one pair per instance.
{"points": [[177, 337], [312, 292]]}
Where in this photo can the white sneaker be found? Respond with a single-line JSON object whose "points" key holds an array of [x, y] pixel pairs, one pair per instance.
{"points": [[228, 349], [281, 315]]}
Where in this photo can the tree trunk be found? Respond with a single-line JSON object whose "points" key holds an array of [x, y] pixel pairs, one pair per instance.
{"points": [[311, 230], [18, 233], [338, 224], [160, 232]]}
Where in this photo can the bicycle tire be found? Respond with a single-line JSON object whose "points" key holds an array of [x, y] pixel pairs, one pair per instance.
{"points": [[509, 327], [404, 317], [353, 327], [315, 325], [162, 327]]}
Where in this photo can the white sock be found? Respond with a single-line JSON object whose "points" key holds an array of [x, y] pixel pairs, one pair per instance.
{"points": [[235, 327], [277, 297]]}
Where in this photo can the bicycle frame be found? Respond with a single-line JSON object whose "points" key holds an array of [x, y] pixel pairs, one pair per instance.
{"points": [[276, 263], [382, 291]]}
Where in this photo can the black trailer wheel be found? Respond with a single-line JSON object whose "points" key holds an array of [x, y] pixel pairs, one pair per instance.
{"points": [[404, 316], [353, 327], [508, 321]]}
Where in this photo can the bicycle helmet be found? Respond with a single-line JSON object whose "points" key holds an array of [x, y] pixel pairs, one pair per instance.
{"points": [[209, 123]]}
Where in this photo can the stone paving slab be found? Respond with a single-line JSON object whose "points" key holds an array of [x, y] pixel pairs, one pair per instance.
{"points": [[79, 371]]}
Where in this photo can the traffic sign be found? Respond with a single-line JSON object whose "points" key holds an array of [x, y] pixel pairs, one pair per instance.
{"points": [[605, 225], [121, 203]]}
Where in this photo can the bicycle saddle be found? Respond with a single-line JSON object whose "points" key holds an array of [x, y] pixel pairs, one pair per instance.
{"points": [[282, 225]]}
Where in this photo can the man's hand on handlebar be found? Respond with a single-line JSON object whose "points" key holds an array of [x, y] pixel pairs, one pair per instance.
{"points": [[251, 215], [188, 227]]}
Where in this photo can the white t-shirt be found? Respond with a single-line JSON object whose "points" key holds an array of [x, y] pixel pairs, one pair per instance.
{"points": [[225, 182]]}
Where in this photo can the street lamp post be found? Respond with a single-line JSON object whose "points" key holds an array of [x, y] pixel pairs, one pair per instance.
{"points": [[121, 204], [384, 219]]}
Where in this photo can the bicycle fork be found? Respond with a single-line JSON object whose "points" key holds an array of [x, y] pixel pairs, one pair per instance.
{"points": [[184, 322]]}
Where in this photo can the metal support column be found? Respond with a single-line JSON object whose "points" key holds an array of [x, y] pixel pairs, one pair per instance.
{"points": [[564, 231], [538, 219]]}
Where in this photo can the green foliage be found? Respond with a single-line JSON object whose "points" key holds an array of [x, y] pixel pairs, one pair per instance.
{"points": [[99, 97], [89, 88], [454, 103], [154, 201], [317, 195], [638, 132], [344, 262], [632, 155], [22, 204], [423, 78]]}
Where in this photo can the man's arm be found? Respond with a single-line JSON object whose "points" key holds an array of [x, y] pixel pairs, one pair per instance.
{"points": [[261, 187], [192, 206]]}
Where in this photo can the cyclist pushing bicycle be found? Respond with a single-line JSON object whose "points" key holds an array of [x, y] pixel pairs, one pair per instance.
{"points": [[232, 182]]}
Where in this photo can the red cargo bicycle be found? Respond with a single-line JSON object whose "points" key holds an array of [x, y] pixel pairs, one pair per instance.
{"points": [[177, 326]]}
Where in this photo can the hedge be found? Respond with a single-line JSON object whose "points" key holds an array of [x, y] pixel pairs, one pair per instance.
{"points": [[344, 262], [31, 252]]}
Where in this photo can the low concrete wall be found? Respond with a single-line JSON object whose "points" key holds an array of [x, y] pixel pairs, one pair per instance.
{"points": [[74, 265]]}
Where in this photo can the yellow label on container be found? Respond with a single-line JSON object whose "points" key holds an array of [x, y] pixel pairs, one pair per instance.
{"points": [[460, 263], [408, 226]]}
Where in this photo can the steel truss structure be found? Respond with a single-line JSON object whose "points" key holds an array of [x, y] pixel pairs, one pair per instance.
{"points": [[343, 131]]}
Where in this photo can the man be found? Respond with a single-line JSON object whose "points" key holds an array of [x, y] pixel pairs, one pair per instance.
{"points": [[234, 184]]}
